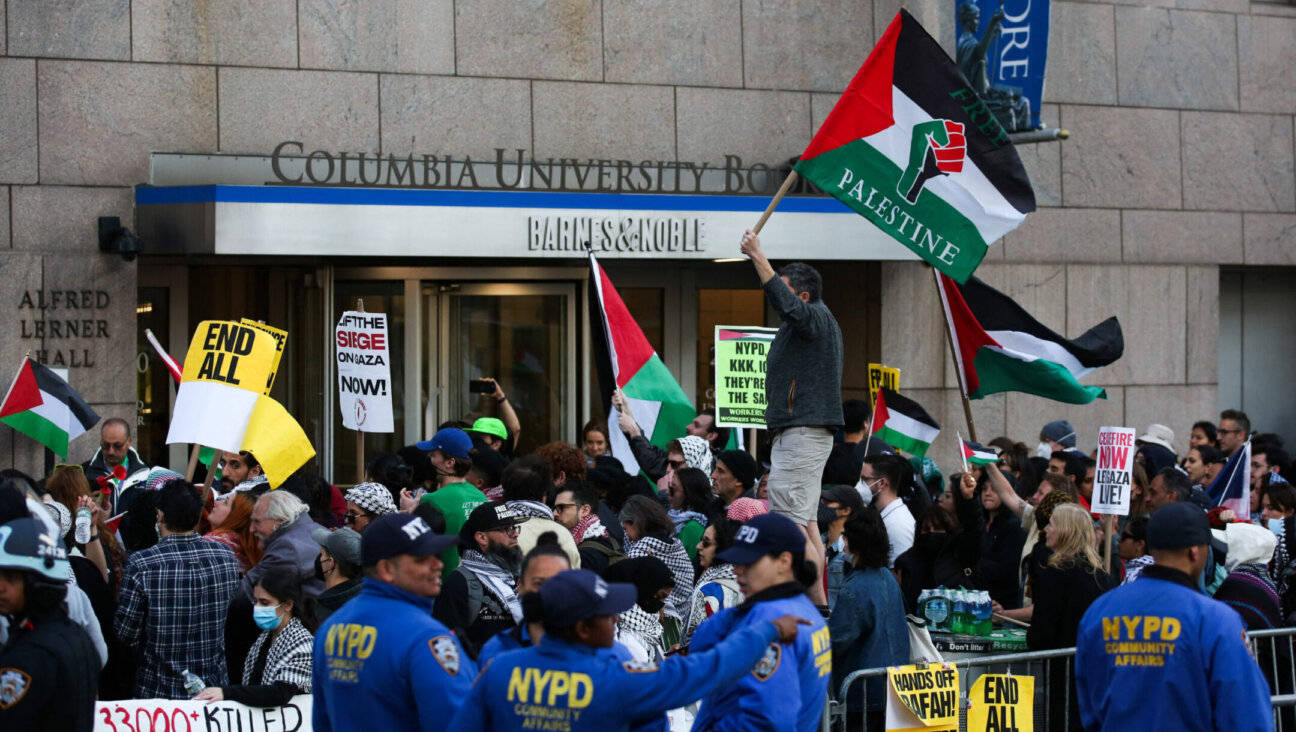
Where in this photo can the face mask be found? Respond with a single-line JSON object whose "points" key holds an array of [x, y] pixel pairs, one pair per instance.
{"points": [[265, 617], [1044, 450], [1276, 526], [319, 568], [865, 488], [652, 606]]}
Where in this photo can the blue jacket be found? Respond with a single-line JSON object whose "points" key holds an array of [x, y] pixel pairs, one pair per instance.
{"points": [[1157, 654], [383, 662], [561, 685], [787, 689], [869, 630]]}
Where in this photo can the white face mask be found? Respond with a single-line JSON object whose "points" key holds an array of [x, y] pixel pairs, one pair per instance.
{"points": [[1044, 450], [866, 489]]}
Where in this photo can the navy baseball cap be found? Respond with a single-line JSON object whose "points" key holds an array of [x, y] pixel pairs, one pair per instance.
{"points": [[454, 442], [1178, 525], [394, 534], [768, 533], [578, 594]]}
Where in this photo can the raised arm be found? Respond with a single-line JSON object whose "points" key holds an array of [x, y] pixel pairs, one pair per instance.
{"points": [[1007, 495]]}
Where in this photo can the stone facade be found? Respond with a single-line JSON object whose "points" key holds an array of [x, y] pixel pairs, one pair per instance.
{"points": [[1181, 157]]}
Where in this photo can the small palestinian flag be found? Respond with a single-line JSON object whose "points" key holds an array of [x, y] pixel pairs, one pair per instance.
{"points": [[974, 453], [624, 359], [1000, 347], [41, 405], [913, 149], [903, 424]]}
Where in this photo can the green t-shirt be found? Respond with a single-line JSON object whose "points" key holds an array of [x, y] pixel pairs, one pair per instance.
{"points": [[689, 535], [455, 502]]}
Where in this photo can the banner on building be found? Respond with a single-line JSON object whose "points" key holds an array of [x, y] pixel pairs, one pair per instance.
{"points": [[923, 697], [364, 372], [1114, 473], [165, 715], [881, 376], [281, 340], [1002, 50], [740, 353], [1002, 702], [227, 368]]}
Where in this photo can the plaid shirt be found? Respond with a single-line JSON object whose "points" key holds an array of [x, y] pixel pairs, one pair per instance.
{"points": [[174, 600]]}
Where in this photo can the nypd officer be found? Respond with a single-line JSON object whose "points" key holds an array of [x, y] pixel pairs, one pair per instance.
{"points": [[566, 683], [381, 660], [787, 688], [49, 669], [1157, 654]]}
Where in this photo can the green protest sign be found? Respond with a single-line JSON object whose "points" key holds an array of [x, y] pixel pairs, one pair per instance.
{"points": [[740, 374]]}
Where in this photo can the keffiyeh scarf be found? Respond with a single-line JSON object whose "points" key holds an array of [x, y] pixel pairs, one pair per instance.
{"points": [[531, 509], [589, 528], [646, 627], [495, 579], [681, 516], [677, 560], [697, 454]]}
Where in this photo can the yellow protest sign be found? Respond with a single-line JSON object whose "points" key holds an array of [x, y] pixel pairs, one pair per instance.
{"points": [[230, 353], [879, 375], [923, 698], [276, 440], [1002, 703], [281, 340]]}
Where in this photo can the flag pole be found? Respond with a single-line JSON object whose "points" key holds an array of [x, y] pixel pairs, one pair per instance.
{"points": [[868, 436], [773, 204], [949, 338], [360, 459], [962, 457], [1107, 537]]}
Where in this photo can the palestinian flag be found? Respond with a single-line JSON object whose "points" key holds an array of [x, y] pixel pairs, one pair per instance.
{"points": [[913, 149], [974, 453], [41, 405], [625, 360], [1000, 347], [902, 423]]}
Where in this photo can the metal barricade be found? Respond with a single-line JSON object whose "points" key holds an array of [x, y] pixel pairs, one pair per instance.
{"points": [[1274, 651]]}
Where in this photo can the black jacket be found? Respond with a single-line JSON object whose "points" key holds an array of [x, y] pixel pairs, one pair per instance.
{"points": [[49, 676], [804, 365], [949, 560], [1000, 552]]}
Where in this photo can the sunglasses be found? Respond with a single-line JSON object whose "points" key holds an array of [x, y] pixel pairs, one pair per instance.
{"points": [[113, 445], [351, 518], [707, 543], [69, 466]]}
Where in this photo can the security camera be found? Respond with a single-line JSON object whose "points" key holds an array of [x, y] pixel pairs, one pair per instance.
{"points": [[117, 239]]}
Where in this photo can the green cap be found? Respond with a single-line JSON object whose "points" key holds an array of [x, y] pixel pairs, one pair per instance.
{"points": [[490, 426]]}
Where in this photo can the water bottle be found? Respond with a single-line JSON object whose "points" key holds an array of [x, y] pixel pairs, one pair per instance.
{"points": [[193, 685], [936, 610], [83, 525], [983, 609], [960, 624]]}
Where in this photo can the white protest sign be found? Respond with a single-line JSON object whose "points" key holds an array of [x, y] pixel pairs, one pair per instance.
{"points": [[165, 715], [364, 372], [1114, 473]]}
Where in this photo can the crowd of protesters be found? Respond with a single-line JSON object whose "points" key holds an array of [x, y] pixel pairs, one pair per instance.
{"points": [[707, 577]]}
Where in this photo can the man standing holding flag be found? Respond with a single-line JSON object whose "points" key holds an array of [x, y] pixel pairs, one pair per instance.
{"points": [[802, 393]]}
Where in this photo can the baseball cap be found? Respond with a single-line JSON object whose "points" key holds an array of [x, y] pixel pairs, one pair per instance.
{"points": [[845, 495], [490, 426], [343, 544], [1159, 434], [578, 594], [488, 517], [1178, 525], [400, 533], [768, 533], [454, 442], [1061, 432]]}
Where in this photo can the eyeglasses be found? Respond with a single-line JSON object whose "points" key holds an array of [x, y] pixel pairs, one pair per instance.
{"points": [[508, 530], [676, 464], [563, 506], [113, 445]]}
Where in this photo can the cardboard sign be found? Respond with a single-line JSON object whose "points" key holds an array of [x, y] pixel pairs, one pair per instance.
{"points": [[364, 372], [923, 697], [281, 340], [740, 353], [164, 715], [878, 376], [228, 367], [1114, 473], [1002, 703]]}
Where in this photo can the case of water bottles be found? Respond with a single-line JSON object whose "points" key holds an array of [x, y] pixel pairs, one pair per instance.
{"points": [[966, 612]]}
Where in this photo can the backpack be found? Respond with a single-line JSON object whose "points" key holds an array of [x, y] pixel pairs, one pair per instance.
{"points": [[477, 596]]}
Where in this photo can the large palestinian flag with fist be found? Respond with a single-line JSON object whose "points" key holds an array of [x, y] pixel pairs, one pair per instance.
{"points": [[912, 148]]}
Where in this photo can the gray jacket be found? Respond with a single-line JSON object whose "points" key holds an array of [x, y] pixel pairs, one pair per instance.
{"points": [[290, 547], [804, 365]]}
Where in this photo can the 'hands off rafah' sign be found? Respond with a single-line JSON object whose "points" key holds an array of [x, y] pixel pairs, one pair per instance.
{"points": [[364, 372]]}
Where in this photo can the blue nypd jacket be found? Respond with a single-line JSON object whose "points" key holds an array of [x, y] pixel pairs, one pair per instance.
{"points": [[383, 662], [1157, 654], [564, 686], [788, 687]]}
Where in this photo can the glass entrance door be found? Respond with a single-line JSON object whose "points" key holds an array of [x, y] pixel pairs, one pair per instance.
{"points": [[520, 334]]}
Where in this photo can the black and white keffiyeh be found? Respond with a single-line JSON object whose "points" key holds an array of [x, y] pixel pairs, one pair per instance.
{"points": [[697, 454], [289, 658], [677, 560], [495, 579], [531, 509]]}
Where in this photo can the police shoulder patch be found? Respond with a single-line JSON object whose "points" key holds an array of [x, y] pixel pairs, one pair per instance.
{"points": [[446, 653], [13, 686], [640, 667], [768, 663]]}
